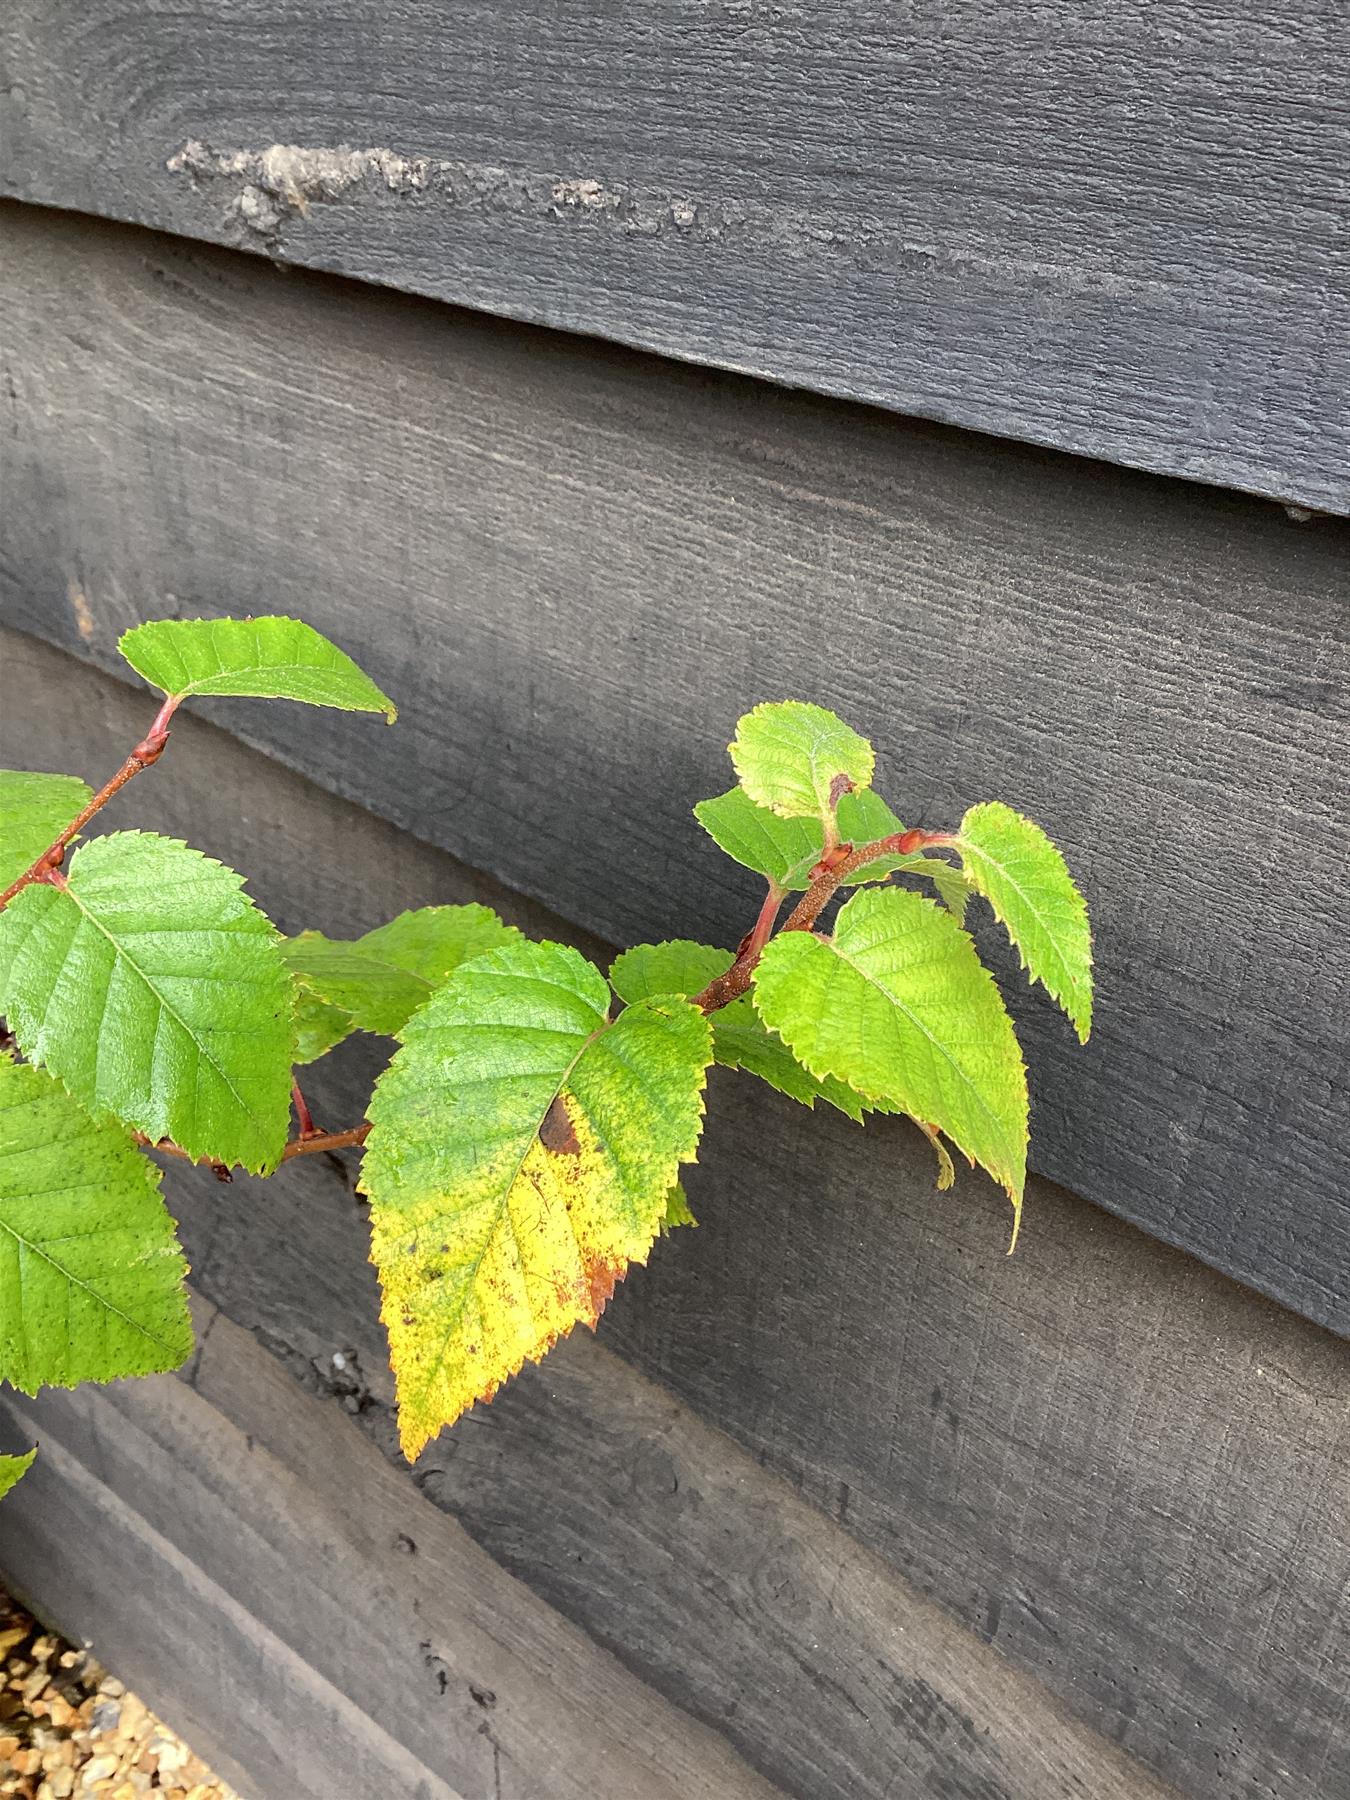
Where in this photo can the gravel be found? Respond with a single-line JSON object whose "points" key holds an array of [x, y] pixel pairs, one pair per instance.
{"points": [[69, 1730]]}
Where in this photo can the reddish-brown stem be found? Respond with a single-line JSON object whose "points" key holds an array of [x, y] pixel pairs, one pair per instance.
{"points": [[301, 1146], [326, 1140], [304, 1117], [735, 981], [762, 930], [146, 753]]}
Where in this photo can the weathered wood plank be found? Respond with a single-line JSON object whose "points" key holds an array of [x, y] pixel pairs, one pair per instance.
{"points": [[574, 568], [1113, 231], [85, 1561], [271, 1535], [1129, 1475], [378, 1594]]}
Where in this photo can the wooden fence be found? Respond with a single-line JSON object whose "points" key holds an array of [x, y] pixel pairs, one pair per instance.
{"points": [[841, 1504]]}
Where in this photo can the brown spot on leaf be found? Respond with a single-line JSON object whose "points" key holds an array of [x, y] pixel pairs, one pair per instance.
{"points": [[602, 1278], [840, 786], [557, 1133]]}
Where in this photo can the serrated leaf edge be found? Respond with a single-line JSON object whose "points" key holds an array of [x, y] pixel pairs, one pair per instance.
{"points": [[1083, 1028], [879, 1102], [388, 709]]}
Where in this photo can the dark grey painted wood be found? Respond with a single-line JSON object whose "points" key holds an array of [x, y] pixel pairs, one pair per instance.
{"points": [[1126, 1473], [243, 1557], [1113, 229], [461, 1674], [575, 567]]}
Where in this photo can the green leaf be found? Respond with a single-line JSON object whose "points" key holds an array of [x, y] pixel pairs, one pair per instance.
{"points": [[677, 966], [785, 851], [951, 885], [380, 980], [270, 659], [790, 757], [319, 1027], [677, 1210], [13, 1467], [740, 1040], [522, 1156], [1011, 861], [782, 850], [91, 1276], [864, 817], [155, 990], [34, 811], [898, 1005]]}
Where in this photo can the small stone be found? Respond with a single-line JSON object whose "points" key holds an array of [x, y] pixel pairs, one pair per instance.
{"points": [[135, 1718], [62, 1783], [107, 1715], [61, 1713], [101, 1768], [11, 1636], [172, 1755], [112, 1687]]}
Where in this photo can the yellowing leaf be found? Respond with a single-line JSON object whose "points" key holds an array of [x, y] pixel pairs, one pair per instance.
{"points": [[91, 1276], [793, 758], [269, 658], [898, 1005], [1010, 860], [523, 1153], [34, 811]]}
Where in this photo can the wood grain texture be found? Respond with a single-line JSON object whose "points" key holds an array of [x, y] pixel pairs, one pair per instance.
{"points": [[1127, 1474], [1115, 230], [232, 1522], [574, 568], [278, 1500]]}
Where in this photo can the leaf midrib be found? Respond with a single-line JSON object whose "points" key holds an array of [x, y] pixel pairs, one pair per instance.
{"points": [[75, 1281], [503, 1207], [174, 1014], [233, 674], [938, 1045]]}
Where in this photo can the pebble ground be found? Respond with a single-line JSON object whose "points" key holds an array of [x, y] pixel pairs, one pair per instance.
{"points": [[69, 1730]]}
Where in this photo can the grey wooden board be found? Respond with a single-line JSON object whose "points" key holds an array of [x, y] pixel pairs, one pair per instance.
{"points": [[1129, 1475], [239, 1525], [86, 1563], [574, 567], [376, 1592], [1113, 229]]}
